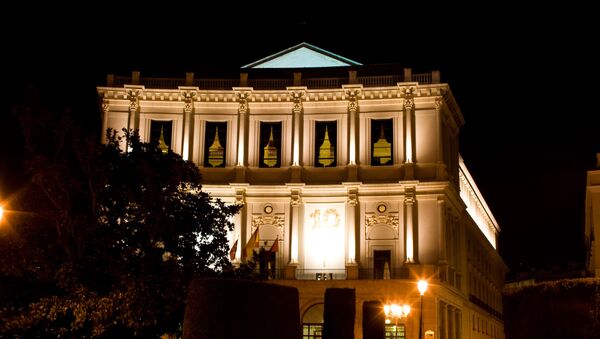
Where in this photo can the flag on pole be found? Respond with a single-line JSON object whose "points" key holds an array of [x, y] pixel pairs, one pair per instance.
{"points": [[275, 246], [252, 243], [233, 250]]}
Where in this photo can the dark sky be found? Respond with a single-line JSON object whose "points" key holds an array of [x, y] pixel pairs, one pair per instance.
{"points": [[523, 77]]}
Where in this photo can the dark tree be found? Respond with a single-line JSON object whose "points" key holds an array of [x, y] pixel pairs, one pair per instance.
{"points": [[107, 241]]}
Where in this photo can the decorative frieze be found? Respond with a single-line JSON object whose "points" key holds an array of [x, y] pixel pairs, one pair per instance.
{"points": [[390, 219], [277, 220]]}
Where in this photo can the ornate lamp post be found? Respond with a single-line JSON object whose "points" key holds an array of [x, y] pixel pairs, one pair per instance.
{"points": [[422, 287], [396, 312]]}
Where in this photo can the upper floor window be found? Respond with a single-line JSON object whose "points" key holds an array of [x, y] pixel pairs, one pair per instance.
{"points": [[160, 133], [325, 143], [382, 142], [270, 144], [215, 144]]}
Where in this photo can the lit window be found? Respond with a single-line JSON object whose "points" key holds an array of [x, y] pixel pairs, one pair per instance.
{"points": [[215, 144], [325, 143], [270, 144], [394, 331], [381, 142], [160, 133]]}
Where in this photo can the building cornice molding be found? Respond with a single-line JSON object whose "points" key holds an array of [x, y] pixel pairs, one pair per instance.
{"points": [[345, 93]]}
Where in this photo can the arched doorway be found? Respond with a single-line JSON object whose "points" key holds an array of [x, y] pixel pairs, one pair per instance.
{"points": [[312, 322]]}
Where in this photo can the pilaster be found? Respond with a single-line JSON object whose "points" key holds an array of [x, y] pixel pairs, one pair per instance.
{"points": [[188, 121], [134, 93], [243, 95], [105, 112], [410, 228], [352, 94], [351, 212], [408, 107], [297, 95]]}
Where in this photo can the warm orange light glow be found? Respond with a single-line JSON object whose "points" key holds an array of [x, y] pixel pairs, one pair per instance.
{"points": [[395, 311], [1, 212], [422, 286]]}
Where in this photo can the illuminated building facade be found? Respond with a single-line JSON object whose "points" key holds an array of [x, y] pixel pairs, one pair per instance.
{"points": [[592, 220], [355, 172]]}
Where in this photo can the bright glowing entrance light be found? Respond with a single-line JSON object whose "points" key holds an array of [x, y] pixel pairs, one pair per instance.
{"points": [[422, 286]]}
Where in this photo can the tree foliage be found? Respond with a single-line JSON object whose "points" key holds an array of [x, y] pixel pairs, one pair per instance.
{"points": [[107, 240], [567, 308]]}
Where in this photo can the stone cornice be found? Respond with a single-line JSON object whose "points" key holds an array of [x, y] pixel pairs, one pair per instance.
{"points": [[311, 95]]}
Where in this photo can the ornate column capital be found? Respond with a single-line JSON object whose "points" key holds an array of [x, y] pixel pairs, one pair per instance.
{"points": [[297, 94], [295, 197], [134, 98], [439, 103], [408, 93], [352, 197], [352, 94], [240, 196], [188, 99], [243, 96], [409, 195], [105, 106]]}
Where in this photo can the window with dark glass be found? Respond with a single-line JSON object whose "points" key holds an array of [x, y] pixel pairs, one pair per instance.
{"points": [[160, 133], [267, 261], [270, 144], [215, 144], [325, 143], [381, 142]]}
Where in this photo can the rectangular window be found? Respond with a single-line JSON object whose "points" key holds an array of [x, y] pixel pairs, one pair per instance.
{"points": [[215, 144], [325, 143], [382, 144], [312, 331], [160, 133], [394, 331], [269, 148]]}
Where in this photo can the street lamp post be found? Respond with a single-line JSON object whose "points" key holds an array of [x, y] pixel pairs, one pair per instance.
{"points": [[422, 286]]}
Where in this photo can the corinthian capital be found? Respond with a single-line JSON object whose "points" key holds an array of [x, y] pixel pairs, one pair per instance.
{"points": [[188, 99], [134, 98], [297, 98], [352, 92], [243, 96], [408, 93]]}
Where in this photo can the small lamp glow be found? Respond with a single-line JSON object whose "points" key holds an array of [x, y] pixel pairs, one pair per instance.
{"points": [[1, 212], [422, 286]]}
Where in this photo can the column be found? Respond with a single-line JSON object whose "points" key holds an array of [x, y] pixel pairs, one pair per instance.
{"points": [[188, 124], [352, 93], [441, 231], [407, 94], [133, 94], [451, 324], [295, 220], [297, 94], [351, 207], [243, 94], [240, 220], [409, 227], [440, 170], [105, 112]]}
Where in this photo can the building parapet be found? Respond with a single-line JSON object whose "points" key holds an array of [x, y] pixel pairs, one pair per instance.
{"points": [[476, 205], [273, 83]]}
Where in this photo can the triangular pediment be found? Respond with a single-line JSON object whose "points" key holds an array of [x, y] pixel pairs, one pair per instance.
{"points": [[303, 55]]}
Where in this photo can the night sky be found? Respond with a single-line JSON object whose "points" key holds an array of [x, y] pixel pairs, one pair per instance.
{"points": [[523, 77]]}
